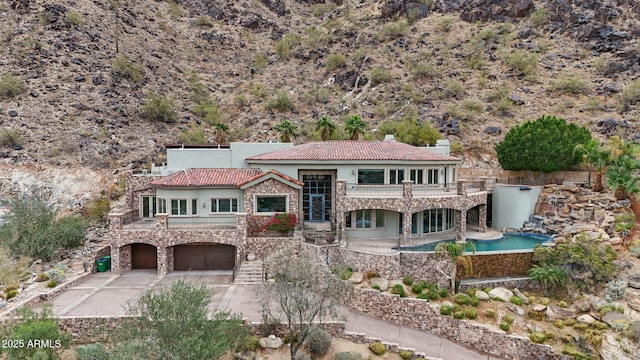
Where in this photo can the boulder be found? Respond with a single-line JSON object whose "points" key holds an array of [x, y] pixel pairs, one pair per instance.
{"points": [[501, 294], [634, 305], [555, 312], [271, 342], [518, 293], [539, 307], [586, 319], [613, 317], [516, 309], [356, 277], [582, 305], [3, 303], [481, 295], [380, 282]]}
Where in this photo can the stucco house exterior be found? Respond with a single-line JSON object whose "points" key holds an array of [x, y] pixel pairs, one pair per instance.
{"points": [[201, 209]]}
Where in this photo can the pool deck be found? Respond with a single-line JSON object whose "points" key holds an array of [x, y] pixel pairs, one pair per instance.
{"points": [[384, 246]]}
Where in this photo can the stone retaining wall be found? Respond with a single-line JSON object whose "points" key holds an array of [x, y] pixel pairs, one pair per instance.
{"points": [[497, 265]]}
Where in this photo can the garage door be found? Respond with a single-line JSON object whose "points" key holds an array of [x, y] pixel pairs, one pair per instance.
{"points": [[204, 257], [144, 256]]}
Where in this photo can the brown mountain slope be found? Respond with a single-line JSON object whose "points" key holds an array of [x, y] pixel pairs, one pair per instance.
{"points": [[471, 68]]}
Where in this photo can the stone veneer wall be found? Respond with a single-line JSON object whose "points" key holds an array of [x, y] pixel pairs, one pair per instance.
{"points": [[267, 187], [136, 185], [387, 266], [262, 247], [418, 314], [426, 266], [497, 265]]}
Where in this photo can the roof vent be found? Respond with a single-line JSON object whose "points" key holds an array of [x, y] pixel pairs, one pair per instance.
{"points": [[390, 137]]}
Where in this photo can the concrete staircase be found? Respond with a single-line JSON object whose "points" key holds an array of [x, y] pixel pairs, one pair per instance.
{"points": [[318, 233], [250, 273]]}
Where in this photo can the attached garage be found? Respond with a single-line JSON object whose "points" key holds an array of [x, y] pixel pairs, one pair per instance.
{"points": [[204, 257], [144, 256]]}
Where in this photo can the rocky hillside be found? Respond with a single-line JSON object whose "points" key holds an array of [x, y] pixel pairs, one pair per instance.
{"points": [[74, 73]]}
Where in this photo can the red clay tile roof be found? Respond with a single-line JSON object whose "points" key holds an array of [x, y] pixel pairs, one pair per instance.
{"points": [[345, 150], [207, 177], [276, 173]]}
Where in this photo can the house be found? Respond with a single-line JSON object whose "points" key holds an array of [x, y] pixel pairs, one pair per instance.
{"points": [[203, 208]]}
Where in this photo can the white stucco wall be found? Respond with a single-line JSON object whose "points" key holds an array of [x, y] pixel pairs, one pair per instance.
{"points": [[513, 205]]}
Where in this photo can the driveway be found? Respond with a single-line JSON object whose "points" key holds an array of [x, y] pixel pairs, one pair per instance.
{"points": [[101, 294]]}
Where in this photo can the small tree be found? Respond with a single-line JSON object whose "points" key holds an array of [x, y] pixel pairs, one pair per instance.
{"points": [[597, 158], [173, 324], [222, 132], [158, 108], [545, 145], [355, 127], [410, 131], [549, 277], [622, 178], [35, 326], [303, 294], [286, 129], [455, 252], [326, 127]]}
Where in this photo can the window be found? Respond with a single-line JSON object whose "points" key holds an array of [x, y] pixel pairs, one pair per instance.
{"points": [[224, 205], [432, 176], [271, 204], [370, 176], [162, 206], [194, 206], [417, 175], [365, 219], [149, 206], [396, 176], [178, 207]]}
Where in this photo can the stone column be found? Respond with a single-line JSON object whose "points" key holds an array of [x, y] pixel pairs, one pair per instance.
{"points": [[241, 226], [162, 221], [115, 226], [406, 228], [461, 188], [116, 269], [482, 218], [461, 225], [341, 193], [162, 259]]}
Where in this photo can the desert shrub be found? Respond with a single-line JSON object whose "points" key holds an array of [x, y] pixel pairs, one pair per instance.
{"points": [[453, 88], [11, 294], [370, 274], [572, 84], [52, 284], [203, 21], [458, 315], [618, 326], [93, 351], [74, 18], [347, 355], [599, 325], [508, 319], [406, 354], [615, 290], [631, 93], [410, 130], [516, 300], [379, 75], [443, 293], [393, 30], [538, 17], [286, 44], [491, 313], [31, 325], [563, 304], [537, 337], [318, 342], [399, 290], [504, 326], [207, 110], [158, 108], [280, 102], [416, 289], [302, 356], [377, 287], [462, 299], [611, 307], [407, 280], [377, 348], [475, 301], [335, 61], [42, 277], [569, 322], [423, 69], [10, 137], [446, 310], [523, 61], [194, 135], [125, 68], [252, 343], [633, 332], [424, 296], [346, 273], [574, 353], [535, 315], [98, 209], [471, 313], [11, 85], [11, 267], [56, 275]]}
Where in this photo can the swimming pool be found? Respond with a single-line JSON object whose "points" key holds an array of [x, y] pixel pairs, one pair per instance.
{"points": [[507, 242]]}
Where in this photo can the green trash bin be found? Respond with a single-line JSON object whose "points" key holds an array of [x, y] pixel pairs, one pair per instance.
{"points": [[101, 265], [107, 260]]}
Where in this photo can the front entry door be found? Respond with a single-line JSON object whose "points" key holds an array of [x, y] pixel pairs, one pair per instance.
{"points": [[316, 212]]}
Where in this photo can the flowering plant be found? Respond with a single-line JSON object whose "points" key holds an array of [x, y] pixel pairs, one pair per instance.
{"points": [[283, 223]]}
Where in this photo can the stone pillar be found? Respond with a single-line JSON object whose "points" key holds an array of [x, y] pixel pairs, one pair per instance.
{"points": [[241, 226], [116, 269], [461, 188], [407, 189], [482, 218], [341, 193], [406, 228], [115, 226], [162, 220], [461, 225], [162, 260]]}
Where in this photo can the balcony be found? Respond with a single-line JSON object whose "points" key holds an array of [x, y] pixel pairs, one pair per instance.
{"points": [[131, 221], [408, 189]]}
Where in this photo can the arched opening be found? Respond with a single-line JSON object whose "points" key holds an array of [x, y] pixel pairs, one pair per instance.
{"points": [[144, 256]]}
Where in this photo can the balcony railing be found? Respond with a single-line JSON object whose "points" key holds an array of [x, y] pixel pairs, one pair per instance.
{"points": [[430, 190], [226, 220], [357, 190]]}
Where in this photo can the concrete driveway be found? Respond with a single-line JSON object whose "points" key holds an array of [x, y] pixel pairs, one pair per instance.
{"points": [[101, 294]]}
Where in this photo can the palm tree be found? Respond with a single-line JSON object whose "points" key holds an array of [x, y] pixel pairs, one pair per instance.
{"points": [[326, 128], [286, 129], [597, 158], [623, 180], [355, 127], [222, 132]]}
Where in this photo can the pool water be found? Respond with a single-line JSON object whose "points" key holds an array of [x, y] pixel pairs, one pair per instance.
{"points": [[507, 242]]}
